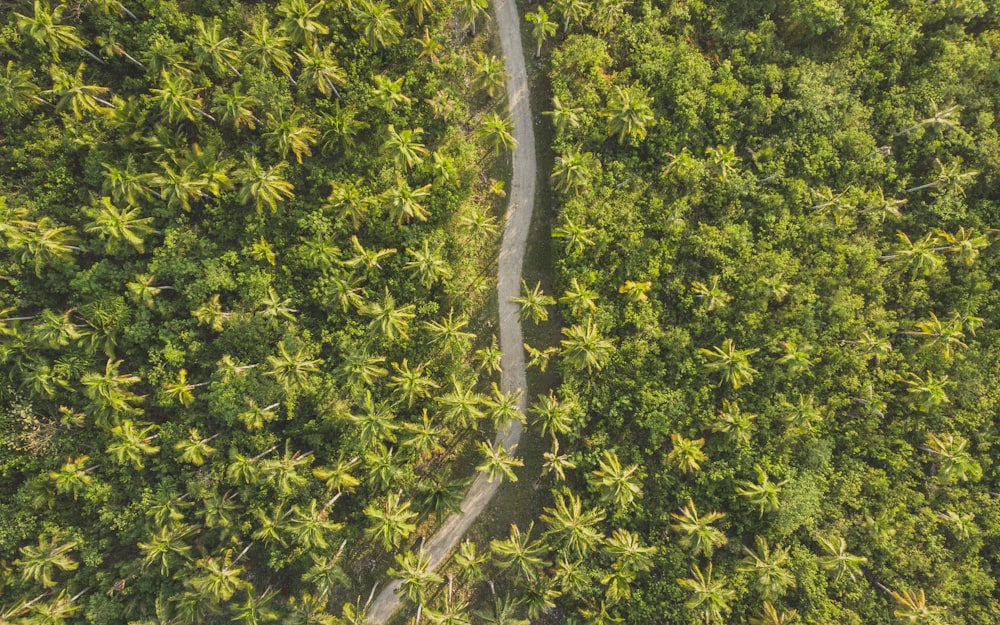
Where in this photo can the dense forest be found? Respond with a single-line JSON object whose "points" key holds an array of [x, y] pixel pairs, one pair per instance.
{"points": [[776, 251], [245, 274], [246, 330]]}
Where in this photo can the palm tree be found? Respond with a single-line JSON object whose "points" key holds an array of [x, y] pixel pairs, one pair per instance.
{"points": [[629, 553], [218, 579], [470, 11], [17, 89], [264, 186], [489, 356], [489, 73], [292, 370], [74, 94], [912, 608], [441, 497], [542, 27], [388, 319], [617, 484], [630, 112], [564, 117], [460, 406], [552, 416], [274, 307], [928, 392], [954, 462], [211, 314], [290, 134], [584, 348], [577, 235], [534, 303], [302, 21], [771, 616], [763, 493], [312, 525], [378, 23], [556, 463], [402, 201], [166, 545], [411, 384], [772, 579], [449, 333], [710, 597], [572, 529], [235, 108], [320, 70], [195, 449], [713, 295], [470, 562], [376, 423], [388, 93], [428, 265], [573, 171], [45, 27], [361, 369], [734, 423], [802, 416], [266, 48], [520, 553], [499, 463], [924, 254], [949, 176], [126, 185], [504, 408], [132, 443], [212, 49], [731, 363], [118, 225], [697, 534], [367, 258], [392, 522], [414, 569], [178, 98], [39, 564], [405, 147], [723, 160], [837, 560], [579, 299], [108, 392]]}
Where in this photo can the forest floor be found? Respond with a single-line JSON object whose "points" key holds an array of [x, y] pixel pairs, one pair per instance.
{"points": [[521, 199]]}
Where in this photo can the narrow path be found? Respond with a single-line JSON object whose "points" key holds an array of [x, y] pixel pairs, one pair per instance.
{"points": [[521, 200]]}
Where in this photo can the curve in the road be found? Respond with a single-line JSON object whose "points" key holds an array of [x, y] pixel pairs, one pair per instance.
{"points": [[521, 200]]}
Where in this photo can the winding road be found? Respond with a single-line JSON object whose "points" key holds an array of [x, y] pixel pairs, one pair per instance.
{"points": [[521, 200]]}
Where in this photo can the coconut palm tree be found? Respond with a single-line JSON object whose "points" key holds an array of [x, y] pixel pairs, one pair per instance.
{"points": [[534, 303], [837, 561], [499, 463], [630, 113], [471, 10], [579, 299], [264, 186], [413, 569], [195, 449], [167, 545], [17, 90], [573, 171], [212, 49], [911, 607], [570, 527], [556, 463], [376, 423], [541, 27], [734, 423], [954, 462], [132, 443], [391, 522], [577, 236], [320, 70], [732, 364], [403, 201], [768, 567], [266, 48], [45, 27], [520, 553], [302, 20], [76, 95], [584, 348], [290, 134], [709, 597], [497, 132], [763, 493], [552, 416], [378, 23], [697, 534], [927, 393], [413, 383], [564, 117], [310, 526], [388, 319], [629, 553], [572, 11], [178, 98], [292, 370], [405, 148], [235, 108], [771, 616], [460, 406], [617, 484], [39, 564], [489, 73], [428, 265], [118, 225], [108, 392]]}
